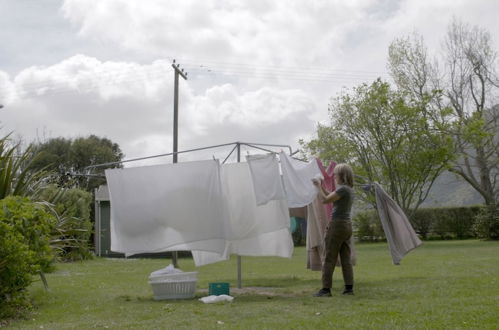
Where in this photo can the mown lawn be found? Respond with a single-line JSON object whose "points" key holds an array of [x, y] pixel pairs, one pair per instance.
{"points": [[440, 285]]}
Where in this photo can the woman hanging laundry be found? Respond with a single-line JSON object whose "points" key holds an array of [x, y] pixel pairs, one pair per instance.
{"points": [[338, 231]]}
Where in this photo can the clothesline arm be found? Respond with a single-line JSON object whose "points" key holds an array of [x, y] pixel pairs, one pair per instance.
{"points": [[253, 145]]}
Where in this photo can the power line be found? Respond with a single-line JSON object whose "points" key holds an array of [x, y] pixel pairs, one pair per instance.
{"points": [[205, 68]]}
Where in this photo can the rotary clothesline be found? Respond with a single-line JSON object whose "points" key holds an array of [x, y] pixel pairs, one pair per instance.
{"points": [[250, 193], [206, 208], [237, 146]]}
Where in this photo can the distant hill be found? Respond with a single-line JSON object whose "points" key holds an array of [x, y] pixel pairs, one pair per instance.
{"points": [[451, 190]]}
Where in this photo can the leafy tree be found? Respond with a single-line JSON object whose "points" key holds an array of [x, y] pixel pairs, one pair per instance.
{"points": [[388, 138], [469, 83], [68, 159]]}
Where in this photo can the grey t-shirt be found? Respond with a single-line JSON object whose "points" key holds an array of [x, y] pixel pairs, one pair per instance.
{"points": [[343, 206]]}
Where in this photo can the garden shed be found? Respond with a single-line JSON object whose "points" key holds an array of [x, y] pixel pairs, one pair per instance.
{"points": [[103, 223]]}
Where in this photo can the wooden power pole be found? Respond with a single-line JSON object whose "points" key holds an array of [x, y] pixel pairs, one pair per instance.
{"points": [[178, 72], [183, 74]]}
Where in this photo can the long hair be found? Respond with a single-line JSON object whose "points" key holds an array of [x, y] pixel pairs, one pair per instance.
{"points": [[344, 173]]}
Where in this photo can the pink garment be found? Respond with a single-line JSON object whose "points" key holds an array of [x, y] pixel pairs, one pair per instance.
{"points": [[329, 184]]}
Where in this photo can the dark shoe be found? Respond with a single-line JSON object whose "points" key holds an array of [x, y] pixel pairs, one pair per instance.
{"points": [[348, 292], [323, 293]]}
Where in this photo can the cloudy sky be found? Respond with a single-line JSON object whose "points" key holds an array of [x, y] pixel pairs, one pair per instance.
{"points": [[258, 71]]}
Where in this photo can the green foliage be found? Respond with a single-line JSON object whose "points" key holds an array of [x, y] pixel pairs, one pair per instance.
{"points": [[71, 235], [447, 222], [441, 223], [66, 156], [469, 88], [15, 178], [330, 144], [474, 129], [387, 137], [24, 249], [17, 264], [487, 223], [368, 227]]}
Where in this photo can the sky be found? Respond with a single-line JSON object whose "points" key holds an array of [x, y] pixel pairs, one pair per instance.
{"points": [[257, 71]]}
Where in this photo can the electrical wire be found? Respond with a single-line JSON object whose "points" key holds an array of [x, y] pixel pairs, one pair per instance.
{"points": [[212, 69]]}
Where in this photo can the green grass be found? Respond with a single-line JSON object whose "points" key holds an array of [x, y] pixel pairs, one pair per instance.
{"points": [[445, 284]]}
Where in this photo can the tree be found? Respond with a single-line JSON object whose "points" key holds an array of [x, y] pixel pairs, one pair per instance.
{"points": [[470, 86], [388, 138], [68, 160]]}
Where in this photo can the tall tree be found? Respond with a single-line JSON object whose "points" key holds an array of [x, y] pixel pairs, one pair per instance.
{"points": [[68, 159], [388, 137], [470, 86]]}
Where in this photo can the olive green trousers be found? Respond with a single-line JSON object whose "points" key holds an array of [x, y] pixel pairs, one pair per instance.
{"points": [[338, 233]]}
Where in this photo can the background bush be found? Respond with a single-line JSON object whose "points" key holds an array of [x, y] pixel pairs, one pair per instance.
{"points": [[486, 223], [25, 228], [71, 235], [367, 226], [429, 223]]}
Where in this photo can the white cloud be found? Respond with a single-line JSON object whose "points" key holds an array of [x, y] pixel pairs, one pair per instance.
{"points": [[259, 71], [132, 105], [271, 32]]}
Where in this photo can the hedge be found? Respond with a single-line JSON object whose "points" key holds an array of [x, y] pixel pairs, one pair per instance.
{"points": [[429, 223]]}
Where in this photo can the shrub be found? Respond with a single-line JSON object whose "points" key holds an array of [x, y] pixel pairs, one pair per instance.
{"points": [[17, 264], [24, 249], [15, 176], [422, 222], [72, 233], [487, 223], [368, 227], [443, 223]]}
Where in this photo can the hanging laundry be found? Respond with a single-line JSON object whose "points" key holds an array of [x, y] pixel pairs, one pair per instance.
{"points": [[297, 179], [316, 229], [266, 178], [328, 182], [167, 208], [252, 230], [399, 233]]}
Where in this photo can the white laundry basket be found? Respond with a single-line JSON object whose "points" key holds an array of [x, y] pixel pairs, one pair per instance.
{"points": [[174, 286]]}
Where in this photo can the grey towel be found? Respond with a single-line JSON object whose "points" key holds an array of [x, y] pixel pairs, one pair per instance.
{"points": [[399, 233]]}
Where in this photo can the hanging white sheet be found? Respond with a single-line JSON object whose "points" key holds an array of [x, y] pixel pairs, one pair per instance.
{"points": [[253, 230], [266, 177], [297, 178], [167, 208], [399, 233]]}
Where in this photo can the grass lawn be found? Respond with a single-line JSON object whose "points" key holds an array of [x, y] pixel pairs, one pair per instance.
{"points": [[442, 284]]}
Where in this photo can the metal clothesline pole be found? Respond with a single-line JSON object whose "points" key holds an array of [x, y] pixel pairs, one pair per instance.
{"points": [[239, 276]]}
